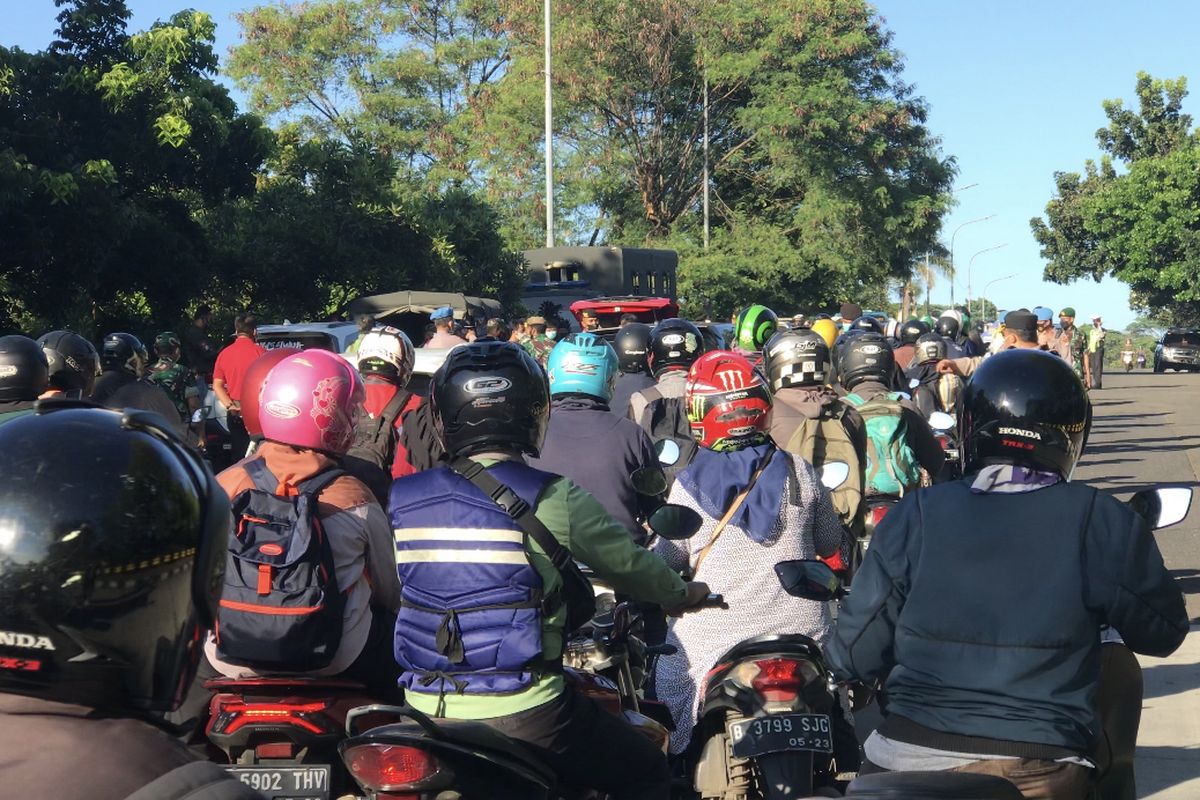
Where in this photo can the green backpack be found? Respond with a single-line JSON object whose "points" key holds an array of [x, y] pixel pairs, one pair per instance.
{"points": [[891, 464], [825, 440]]}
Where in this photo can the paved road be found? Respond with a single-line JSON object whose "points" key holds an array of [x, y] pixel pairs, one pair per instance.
{"points": [[1147, 432]]}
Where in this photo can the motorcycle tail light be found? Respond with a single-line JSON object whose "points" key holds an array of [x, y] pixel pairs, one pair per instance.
{"points": [[231, 716], [878, 513], [391, 768], [780, 680], [943, 440]]}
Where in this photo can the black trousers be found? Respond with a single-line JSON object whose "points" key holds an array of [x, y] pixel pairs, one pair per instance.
{"points": [[590, 748], [239, 437]]}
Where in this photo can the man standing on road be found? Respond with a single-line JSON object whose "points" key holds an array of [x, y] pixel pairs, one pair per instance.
{"points": [[443, 339], [1095, 352], [230, 369], [1071, 344], [1045, 327], [198, 349]]}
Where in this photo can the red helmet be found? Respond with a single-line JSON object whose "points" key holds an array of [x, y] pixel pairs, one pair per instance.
{"points": [[727, 402], [252, 383]]}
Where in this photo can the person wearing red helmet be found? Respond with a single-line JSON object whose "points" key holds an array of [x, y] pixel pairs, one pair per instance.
{"points": [[760, 505], [309, 405]]}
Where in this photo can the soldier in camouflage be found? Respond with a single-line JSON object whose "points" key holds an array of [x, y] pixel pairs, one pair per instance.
{"points": [[538, 345], [1071, 344], [178, 381]]}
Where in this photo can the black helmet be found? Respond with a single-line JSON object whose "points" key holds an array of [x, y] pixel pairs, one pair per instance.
{"points": [[912, 330], [865, 357], [796, 358], [674, 344], [930, 347], [111, 558], [1024, 407], [24, 373], [633, 346], [948, 326], [869, 324], [74, 362], [490, 396], [124, 352]]}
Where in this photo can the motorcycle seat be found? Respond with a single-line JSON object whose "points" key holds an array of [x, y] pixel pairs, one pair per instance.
{"points": [[931, 786], [300, 682], [773, 643]]}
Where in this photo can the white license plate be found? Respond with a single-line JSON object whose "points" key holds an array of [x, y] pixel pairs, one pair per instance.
{"points": [[301, 782], [776, 733]]}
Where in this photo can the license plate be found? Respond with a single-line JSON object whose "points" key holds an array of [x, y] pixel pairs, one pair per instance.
{"points": [[301, 782], [778, 733]]}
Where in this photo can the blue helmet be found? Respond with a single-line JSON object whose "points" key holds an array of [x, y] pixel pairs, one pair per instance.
{"points": [[583, 363]]}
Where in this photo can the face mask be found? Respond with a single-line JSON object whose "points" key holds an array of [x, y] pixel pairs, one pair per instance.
{"points": [[552, 334]]}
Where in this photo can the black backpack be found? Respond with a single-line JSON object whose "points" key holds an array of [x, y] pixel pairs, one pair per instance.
{"points": [[421, 440], [370, 456], [281, 609], [667, 419]]}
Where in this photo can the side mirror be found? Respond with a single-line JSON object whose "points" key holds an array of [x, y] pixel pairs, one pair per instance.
{"points": [[941, 421], [1162, 508], [675, 522], [650, 481], [668, 452], [811, 580], [833, 474]]}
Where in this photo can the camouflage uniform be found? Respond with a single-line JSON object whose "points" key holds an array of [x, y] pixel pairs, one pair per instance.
{"points": [[539, 347], [1072, 347], [178, 381]]}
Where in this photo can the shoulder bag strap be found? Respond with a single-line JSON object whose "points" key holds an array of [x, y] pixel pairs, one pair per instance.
{"points": [[733, 507], [262, 477], [516, 508]]}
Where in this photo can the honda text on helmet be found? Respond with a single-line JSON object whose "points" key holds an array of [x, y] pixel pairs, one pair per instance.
{"points": [[755, 325], [675, 344], [490, 396], [632, 344], [73, 361], [796, 358], [1027, 408], [584, 364], [727, 402], [311, 399]]}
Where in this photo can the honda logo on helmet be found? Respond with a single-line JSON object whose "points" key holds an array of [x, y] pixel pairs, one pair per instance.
{"points": [[1020, 432], [25, 640], [492, 385]]}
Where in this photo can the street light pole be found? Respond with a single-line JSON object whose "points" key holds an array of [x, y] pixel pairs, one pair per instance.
{"points": [[549, 136], [706, 159], [956, 230], [988, 285], [972, 262]]}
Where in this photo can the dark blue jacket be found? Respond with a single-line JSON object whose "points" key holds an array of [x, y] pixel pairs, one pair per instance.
{"points": [[983, 613], [628, 384], [599, 451]]}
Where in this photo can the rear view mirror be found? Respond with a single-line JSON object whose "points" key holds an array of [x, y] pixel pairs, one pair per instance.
{"points": [[834, 474], [675, 522], [941, 421], [1162, 508], [650, 481], [668, 452], [811, 580]]}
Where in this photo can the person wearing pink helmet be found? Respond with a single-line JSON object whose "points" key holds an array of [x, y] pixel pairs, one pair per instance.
{"points": [[308, 407]]}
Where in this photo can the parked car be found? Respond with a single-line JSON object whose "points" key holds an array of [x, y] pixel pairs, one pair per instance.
{"points": [[1177, 349], [332, 336]]}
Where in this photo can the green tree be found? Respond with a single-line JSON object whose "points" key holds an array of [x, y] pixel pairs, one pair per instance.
{"points": [[1139, 223]]}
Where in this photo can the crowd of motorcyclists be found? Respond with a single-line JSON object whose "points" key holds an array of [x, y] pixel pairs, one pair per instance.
{"points": [[425, 544]]}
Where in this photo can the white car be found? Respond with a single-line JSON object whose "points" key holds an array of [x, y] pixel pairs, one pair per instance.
{"points": [[332, 336]]}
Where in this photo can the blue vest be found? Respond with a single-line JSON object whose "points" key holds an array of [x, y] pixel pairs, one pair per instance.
{"points": [[471, 603]]}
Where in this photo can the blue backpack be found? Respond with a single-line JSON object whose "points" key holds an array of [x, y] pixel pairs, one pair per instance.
{"points": [[280, 609], [892, 466]]}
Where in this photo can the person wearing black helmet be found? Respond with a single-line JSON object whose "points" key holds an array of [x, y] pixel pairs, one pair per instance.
{"points": [[74, 364], [122, 382], [949, 327], [905, 349], [24, 376], [899, 440], [675, 344], [491, 403], [934, 391], [632, 344], [104, 592], [953, 618]]}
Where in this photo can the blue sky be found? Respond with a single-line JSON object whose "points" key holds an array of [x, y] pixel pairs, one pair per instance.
{"points": [[1014, 89]]}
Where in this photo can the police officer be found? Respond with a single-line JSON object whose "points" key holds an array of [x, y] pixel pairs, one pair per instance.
{"points": [[24, 375], [980, 675], [473, 580], [122, 383], [74, 364], [110, 567]]}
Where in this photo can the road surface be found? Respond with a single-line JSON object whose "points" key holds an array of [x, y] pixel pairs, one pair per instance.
{"points": [[1146, 433]]}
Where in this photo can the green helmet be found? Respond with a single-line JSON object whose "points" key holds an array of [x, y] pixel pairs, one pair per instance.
{"points": [[928, 320], [755, 326]]}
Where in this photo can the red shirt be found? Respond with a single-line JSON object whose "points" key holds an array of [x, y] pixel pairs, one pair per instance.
{"points": [[379, 394], [232, 363]]}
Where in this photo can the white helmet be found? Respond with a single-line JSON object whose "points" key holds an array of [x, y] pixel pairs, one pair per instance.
{"points": [[386, 351], [954, 314]]}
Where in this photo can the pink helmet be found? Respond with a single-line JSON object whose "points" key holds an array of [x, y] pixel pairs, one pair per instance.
{"points": [[311, 399]]}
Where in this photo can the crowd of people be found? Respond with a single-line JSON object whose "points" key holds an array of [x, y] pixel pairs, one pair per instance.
{"points": [[428, 585]]}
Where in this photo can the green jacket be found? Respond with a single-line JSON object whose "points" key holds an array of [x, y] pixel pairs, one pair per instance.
{"points": [[585, 528], [177, 381]]}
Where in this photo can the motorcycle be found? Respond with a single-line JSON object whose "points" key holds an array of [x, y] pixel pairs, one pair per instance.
{"points": [[944, 429]]}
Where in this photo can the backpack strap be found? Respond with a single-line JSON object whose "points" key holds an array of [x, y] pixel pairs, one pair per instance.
{"points": [[652, 394], [318, 482], [733, 507], [391, 412], [262, 477]]}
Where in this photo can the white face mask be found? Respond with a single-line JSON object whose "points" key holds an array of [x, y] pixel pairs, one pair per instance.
{"points": [[552, 333]]}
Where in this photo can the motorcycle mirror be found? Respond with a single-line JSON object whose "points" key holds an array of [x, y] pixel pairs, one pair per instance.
{"points": [[1162, 508], [650, 481], [671, 521], [834, 474], [811, 580], [668, 452], [941, 421]]}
